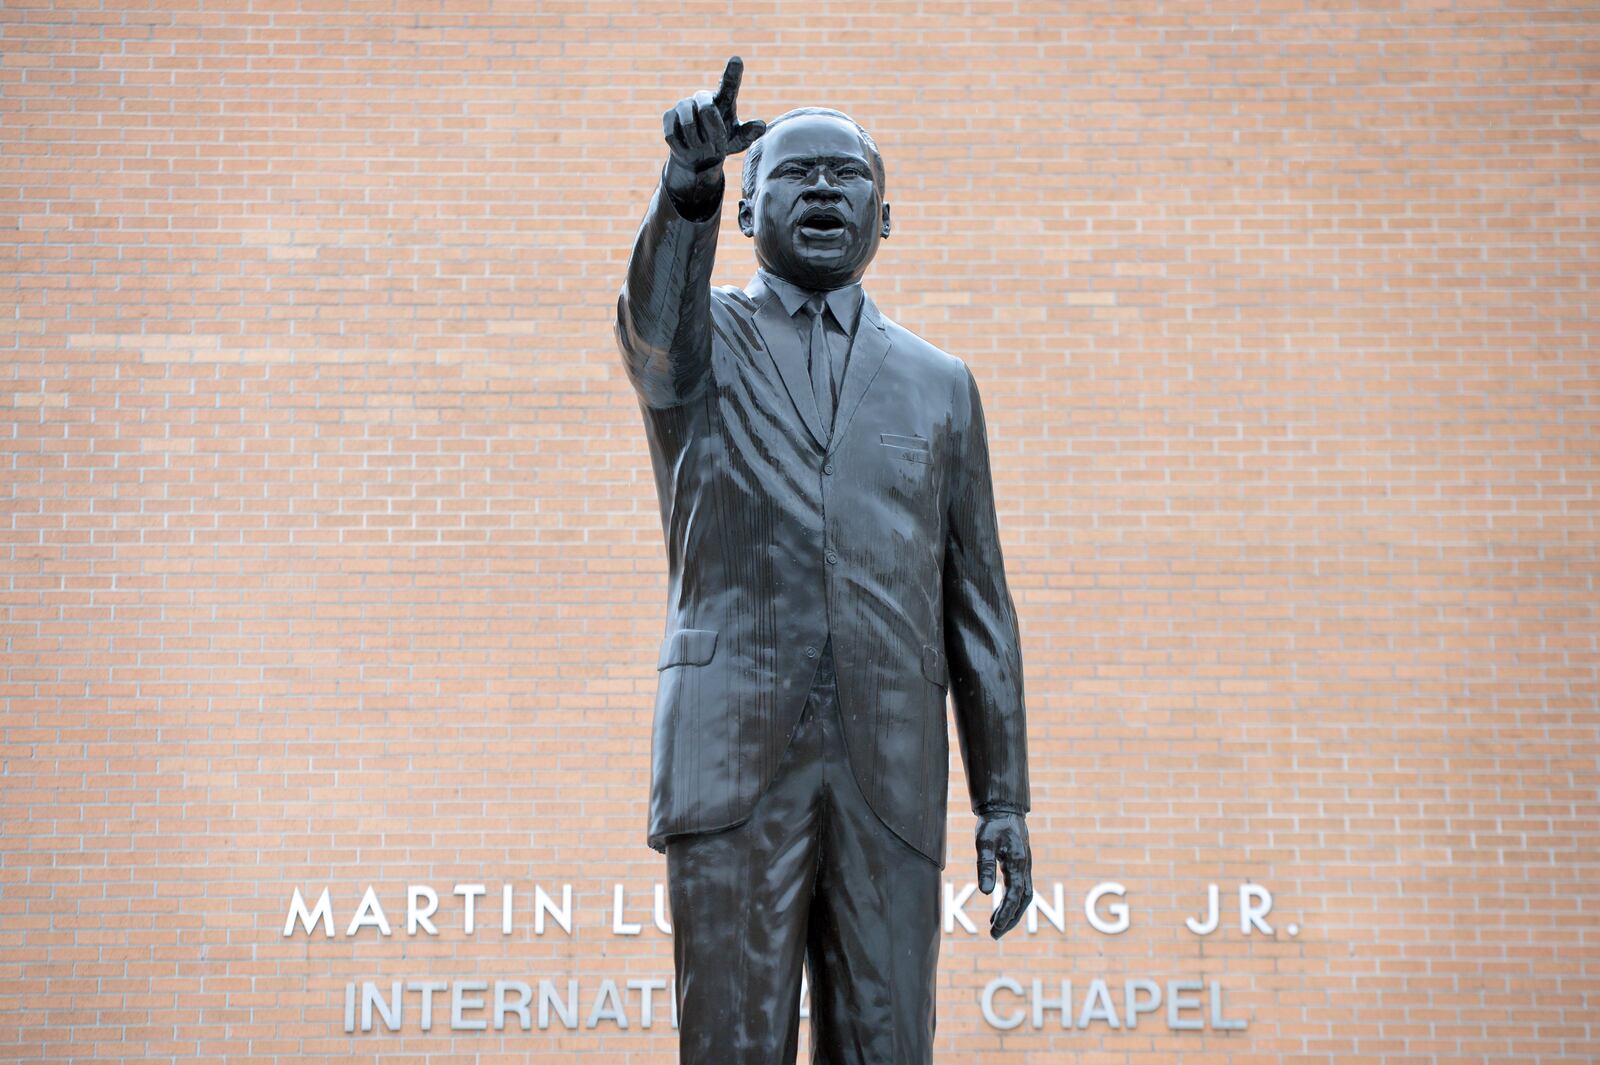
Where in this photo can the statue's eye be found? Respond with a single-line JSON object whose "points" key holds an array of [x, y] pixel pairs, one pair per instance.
{"points": [[851, 171]]}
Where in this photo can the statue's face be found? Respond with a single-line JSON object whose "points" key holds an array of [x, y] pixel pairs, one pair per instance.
{"points": [[818, 212]]}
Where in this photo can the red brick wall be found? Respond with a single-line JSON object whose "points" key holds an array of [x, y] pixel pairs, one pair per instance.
{"points": [[333, 561]]}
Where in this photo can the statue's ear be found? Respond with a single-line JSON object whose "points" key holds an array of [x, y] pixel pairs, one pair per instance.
{"points": [[885, 220], [747, 218]]}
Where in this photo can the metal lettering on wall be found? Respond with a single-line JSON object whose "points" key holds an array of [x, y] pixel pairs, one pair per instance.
{"points": [[577, 1001]]}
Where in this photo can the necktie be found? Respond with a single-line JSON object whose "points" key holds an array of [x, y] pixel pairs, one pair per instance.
{"points": [[821, 365]]}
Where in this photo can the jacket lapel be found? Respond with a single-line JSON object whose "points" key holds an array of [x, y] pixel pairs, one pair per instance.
{"points": [[866, 357], [867, 352], [771, 322]]}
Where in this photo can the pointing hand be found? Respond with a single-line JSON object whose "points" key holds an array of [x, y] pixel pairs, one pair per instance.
{"points": [[701, 131]]}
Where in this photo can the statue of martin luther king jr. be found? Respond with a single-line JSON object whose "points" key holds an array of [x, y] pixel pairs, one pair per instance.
{"points": [[834, 572]]}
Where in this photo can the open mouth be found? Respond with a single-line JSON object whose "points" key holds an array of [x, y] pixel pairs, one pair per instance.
{"points": [[821, 223]]}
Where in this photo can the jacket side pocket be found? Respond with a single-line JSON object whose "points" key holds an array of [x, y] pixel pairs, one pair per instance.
{"points": [[687, 647]]}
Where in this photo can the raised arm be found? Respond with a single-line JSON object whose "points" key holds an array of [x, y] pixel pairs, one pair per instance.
{"points": [[985, 655], [664, 310]]}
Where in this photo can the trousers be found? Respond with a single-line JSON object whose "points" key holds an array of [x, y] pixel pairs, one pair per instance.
{"points": [[812, 876]]}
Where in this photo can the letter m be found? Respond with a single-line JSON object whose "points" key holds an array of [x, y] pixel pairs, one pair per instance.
{"points": [[308, 921]]}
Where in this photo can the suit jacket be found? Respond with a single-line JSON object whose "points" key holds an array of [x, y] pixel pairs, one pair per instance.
{"points": [[882, 536]]}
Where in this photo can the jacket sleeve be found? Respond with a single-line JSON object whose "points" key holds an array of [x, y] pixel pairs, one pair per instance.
{"points": [[663, 326], [980, 625]]}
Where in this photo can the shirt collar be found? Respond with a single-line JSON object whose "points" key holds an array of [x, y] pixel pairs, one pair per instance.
{"points": [[845, 302]]}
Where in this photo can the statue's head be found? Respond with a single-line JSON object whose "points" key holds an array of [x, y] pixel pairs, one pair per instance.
{"points": [[813, 198]]}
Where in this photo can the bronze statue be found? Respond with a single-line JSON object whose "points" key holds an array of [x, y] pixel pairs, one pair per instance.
{"points": [[834, 570]]}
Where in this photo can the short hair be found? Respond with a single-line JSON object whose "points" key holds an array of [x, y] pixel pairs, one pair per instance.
{"points": [[752, 155]]}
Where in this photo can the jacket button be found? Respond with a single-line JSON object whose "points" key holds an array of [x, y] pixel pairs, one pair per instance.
{"points": [[831, 557], [811, 652], [827, 467], [911, 456]]}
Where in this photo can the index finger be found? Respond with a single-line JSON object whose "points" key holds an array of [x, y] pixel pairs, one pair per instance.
{"points": [[728, 91]]}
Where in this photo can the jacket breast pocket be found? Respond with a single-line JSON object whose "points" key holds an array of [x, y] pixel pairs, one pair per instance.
{"points": [[687, 647], [908, 448]]}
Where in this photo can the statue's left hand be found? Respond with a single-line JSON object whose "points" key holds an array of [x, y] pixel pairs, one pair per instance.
{"points": [[1004, 836]]}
